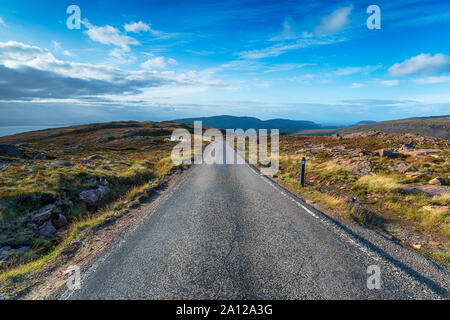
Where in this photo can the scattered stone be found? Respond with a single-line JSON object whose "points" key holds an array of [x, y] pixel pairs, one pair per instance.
{"points": [[60, 222], [419, 152], [94, 157], [388, 154], [437, 181], [10, 150], [368, 153], [92, 197], [42, 214], [24, 145], [78, 147], [40, 156], [433, 190], [47, 229], [22, 250], [407, 146], [62, 163], [400, 167], [418, 174], [416, 246], [105, 139], [66, 208], [434, 243]]}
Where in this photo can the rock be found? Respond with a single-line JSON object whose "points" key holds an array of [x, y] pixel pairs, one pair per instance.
{"points": [[42, 214], [47, 229], [407, 146], [388, 154], [60, 222], [92, 197], [78, 147], [105, 139], [360, 168], [62, 163], [437, 181], [66, 208], [368, 152], [24, 145], [434, 243], [400, 167], [10, 150], [93, 157], [4, 252], [432, 191], [416, 246], [22, 250], [418, 174], [419, 152], [40, 156]]}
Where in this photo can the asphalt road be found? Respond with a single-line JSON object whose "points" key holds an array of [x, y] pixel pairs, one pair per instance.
{"points": [[226, 232]]}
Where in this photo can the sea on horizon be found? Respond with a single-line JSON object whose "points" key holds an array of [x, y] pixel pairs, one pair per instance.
{"points": [[10, 130]]}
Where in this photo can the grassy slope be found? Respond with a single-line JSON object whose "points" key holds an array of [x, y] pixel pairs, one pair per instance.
{"points": [[130, 154], [431, 126]]}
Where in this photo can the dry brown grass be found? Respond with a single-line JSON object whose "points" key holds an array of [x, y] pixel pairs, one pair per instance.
{"points": [[378, 183]]}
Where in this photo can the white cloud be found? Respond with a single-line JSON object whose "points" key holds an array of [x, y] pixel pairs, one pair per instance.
{"points": [[121, 56], [389, 83], [421, 65], [157, 63], [287, 67], [357, 85], [68, 53], [109, 35], [353, 70], [172, 61], [2, 22], [34, 73], [334, 22], [286, 34], [433, 80], [137, 27], [280, 48], [56, 46]]}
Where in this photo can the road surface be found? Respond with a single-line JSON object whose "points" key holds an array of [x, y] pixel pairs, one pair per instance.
{"points": [[226, 232]]}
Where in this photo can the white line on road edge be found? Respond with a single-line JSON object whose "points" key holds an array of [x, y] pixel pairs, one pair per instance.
{"points": [[339, 232]]}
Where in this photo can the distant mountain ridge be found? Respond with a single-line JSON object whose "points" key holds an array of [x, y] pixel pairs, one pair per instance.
{"points": [[436, 126], [233, 122], [364, 122]]}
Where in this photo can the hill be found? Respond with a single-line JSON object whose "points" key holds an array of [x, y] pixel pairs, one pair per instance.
{"points": [[425, 126], [364, 122], [53, 181], [232, 122]]}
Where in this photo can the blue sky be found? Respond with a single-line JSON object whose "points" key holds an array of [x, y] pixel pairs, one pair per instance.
{"points": [[312, 60]]}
